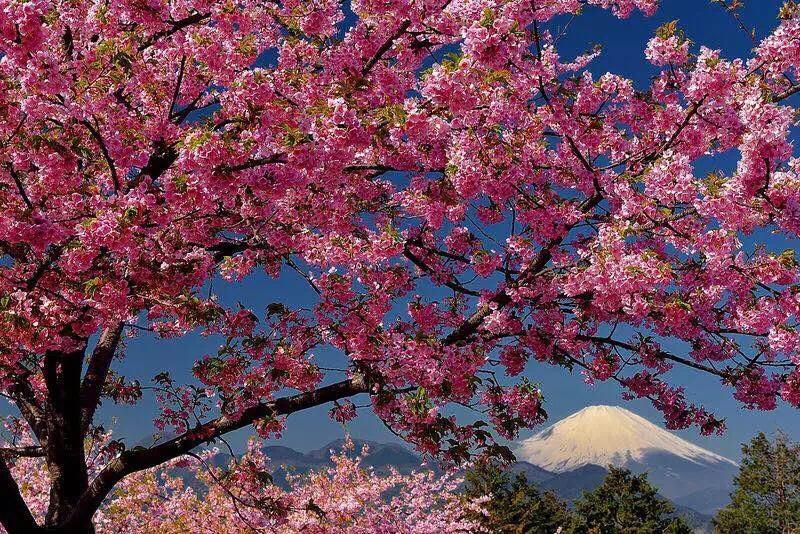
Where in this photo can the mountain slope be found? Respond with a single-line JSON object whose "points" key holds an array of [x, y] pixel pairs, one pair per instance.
{"points": [[533, 473], [571, 484], [603, 435]]}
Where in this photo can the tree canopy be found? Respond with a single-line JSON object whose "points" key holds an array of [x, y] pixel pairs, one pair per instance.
{"points": [[459, 197], [766, 496], [511, 504], [625, 502]]}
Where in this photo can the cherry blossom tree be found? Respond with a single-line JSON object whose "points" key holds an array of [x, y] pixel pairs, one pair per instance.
{"points": [[194, 494], [459, 196]]}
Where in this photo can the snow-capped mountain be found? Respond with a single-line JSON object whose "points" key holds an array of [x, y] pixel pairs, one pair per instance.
{"points": [[603, 435]]}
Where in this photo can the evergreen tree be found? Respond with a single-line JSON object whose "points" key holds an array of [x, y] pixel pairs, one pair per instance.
{"points": [[766, 497], [515, 506], [625, 503]]}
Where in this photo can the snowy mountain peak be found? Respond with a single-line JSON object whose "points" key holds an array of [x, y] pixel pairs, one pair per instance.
{"points": [[603, 435]]}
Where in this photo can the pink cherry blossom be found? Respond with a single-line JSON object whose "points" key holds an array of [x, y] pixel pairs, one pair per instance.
{"points": [[455, 194]]}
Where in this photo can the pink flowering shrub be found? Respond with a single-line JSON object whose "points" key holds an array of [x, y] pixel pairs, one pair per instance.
{"points": [[190, 494]]}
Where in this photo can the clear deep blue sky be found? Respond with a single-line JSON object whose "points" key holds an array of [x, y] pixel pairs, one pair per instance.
{"points": [[623, 44]]}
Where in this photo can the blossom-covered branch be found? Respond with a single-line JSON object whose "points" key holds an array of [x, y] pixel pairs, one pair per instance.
{"points": [[457, 197]]}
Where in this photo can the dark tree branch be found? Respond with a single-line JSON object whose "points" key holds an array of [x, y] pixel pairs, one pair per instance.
{"points": [[139, 459], [161, 159], [104, 150], [178, 83], [174, 28], [253, 163], [453, 284], [28, 451], [26, 402], [69, 43], [691, 113], [52, 256], [455, 257], [578, 154], [385, 47], [661, 354], [227, 248], [97, 372], [20, 187], [786, 94]]}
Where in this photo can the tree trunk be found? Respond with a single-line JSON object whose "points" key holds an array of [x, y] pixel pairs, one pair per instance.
{"points": [[14, 513], [65, 455]]}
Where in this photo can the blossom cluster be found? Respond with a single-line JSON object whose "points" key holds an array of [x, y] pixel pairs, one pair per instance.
{"points": [[458, 198], [197, 493]]}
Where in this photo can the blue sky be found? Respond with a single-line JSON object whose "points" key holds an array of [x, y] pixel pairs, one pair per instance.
{"points": [[623, 44]]}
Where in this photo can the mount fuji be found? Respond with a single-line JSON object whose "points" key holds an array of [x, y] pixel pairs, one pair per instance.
{"points": [[609, 435]]}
